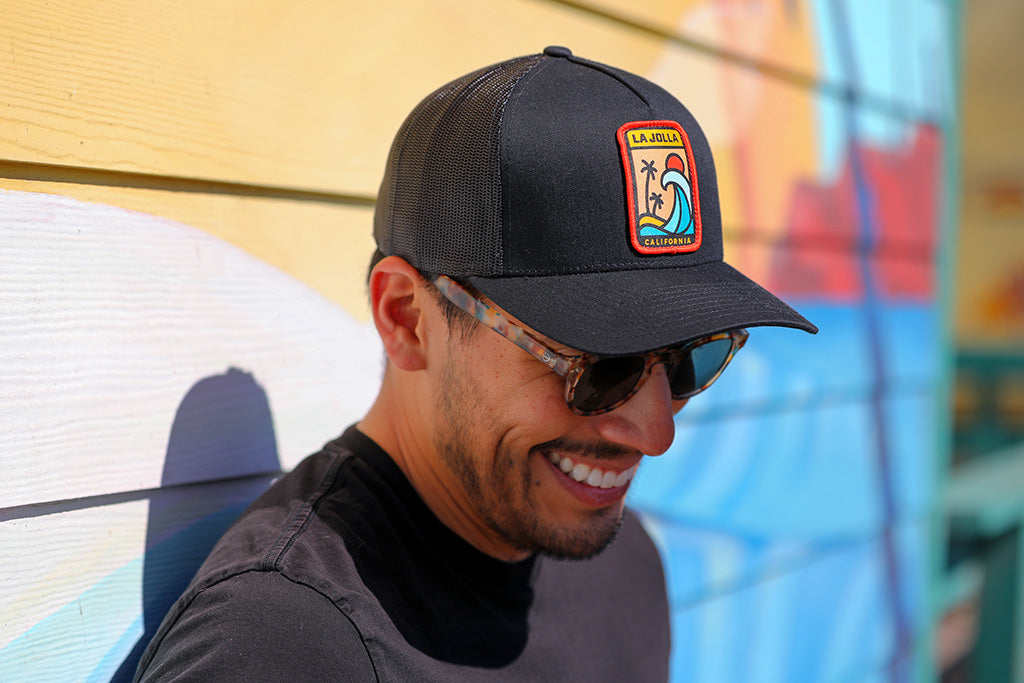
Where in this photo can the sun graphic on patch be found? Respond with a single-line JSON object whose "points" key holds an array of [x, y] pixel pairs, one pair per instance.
{"points": [[661, 187]]}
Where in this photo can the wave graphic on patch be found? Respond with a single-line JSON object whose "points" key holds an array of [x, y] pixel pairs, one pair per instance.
{"points": [[680, 220]]}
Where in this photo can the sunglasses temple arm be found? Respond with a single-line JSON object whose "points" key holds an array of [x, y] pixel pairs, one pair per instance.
{"points": [[490, 317], [520, 337]]}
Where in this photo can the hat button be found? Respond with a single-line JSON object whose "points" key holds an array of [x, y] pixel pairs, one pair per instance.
{"points": [[557, 51]]}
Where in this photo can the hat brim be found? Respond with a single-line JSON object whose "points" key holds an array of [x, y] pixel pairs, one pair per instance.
{"points": [[633, 311]]}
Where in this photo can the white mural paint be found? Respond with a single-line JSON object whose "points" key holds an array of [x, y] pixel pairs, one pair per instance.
{"points": [[110, 316], [140, 358]]}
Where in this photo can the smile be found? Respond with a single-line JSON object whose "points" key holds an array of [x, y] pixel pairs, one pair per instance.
{"points": [[592, 476]]}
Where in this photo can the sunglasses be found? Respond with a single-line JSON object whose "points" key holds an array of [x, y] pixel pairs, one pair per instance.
{"points": [[597, 384]]}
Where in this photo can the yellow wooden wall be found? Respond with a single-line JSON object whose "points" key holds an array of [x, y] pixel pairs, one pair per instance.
{"points": [[267, 123]]}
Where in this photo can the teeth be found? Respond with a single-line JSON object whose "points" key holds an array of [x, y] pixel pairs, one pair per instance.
{"points": [[592, 476]]}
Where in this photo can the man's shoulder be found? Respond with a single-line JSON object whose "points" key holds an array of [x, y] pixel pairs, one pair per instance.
{"points": [[277, 579], [257, 625], [263, 533]]}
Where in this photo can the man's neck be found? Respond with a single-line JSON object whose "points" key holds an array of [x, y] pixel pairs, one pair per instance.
{"points": [[408, 439]]}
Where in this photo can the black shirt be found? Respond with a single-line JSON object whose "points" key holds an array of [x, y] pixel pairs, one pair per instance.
{"points": [[341, 572]]}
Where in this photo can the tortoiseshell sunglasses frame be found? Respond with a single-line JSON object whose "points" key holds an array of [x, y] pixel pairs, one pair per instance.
{"points": [[572, 367]]}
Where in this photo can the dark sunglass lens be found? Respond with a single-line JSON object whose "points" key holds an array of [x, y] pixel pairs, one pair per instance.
{"points": [[697, 368], [607, 381]]}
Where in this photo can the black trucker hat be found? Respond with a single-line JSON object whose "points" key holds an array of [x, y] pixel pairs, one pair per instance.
{"points": [[580, 198]]}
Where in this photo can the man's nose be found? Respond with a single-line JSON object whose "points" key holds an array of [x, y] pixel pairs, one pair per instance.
{"points": [[644, 422]]}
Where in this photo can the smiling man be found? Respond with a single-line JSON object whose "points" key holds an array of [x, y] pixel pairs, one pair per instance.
{"points": [[550, 291]]}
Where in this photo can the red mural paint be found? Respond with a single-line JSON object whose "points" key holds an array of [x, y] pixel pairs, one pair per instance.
{"points": [[823, 226]]}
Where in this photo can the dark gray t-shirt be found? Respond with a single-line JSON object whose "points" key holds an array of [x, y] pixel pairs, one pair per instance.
{"points": [[340, 572]]}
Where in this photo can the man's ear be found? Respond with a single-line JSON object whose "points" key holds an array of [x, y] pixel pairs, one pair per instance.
{"points": [[396, 301]]}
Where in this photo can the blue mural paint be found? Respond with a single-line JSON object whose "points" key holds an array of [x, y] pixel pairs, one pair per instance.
{"points": [[99, 630], [117, 653], [84, 634], [888, 83], [869, 238], [770, 627]]}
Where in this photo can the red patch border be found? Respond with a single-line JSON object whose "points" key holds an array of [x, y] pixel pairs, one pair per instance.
{"points": [[631, 189]]}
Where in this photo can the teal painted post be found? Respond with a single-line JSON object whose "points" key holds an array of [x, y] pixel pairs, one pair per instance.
{"points": [[949, 209], [985, 502], [1000, 635]]}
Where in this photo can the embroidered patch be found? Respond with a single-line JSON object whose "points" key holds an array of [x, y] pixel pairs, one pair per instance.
{"points": [[661, 187]]}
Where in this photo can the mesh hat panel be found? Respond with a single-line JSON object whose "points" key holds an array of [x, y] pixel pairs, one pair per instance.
{"points": [[439, 205]]}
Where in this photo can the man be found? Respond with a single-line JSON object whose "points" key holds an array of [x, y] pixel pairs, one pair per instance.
{"points": [[549, 290]]}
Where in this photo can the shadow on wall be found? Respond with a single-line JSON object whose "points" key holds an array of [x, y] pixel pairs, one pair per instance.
{"points": [[223, 429]]}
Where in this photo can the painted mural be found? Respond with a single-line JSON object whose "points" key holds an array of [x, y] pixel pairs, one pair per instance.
{"points": [[178, 369], [793, 506], [183, 373]]}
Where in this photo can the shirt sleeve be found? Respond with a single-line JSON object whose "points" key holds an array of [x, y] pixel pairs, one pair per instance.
{"points": [[259, 626]]}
